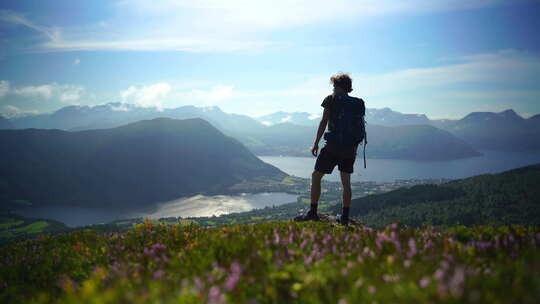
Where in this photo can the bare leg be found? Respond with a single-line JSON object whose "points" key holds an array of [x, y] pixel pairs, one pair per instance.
{"points": [[316, 178], [347, 192]]}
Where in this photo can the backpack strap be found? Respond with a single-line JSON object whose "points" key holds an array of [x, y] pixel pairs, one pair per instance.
{"points": [[365, 143]]}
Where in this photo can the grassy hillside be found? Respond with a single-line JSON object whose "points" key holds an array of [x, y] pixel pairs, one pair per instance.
{"points": [[280, 262], [14, 227], [511, 197]]}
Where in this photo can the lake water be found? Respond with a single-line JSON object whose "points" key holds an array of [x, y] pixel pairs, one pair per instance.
{"points": [[194, 206], [386, 170], [201, 205]]}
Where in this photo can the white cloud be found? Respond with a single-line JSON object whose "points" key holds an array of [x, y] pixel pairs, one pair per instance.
{"points": [[43, 91], [507, 77], [126, 35], [246, 15], [215, 94], [147, 96], [11, 111], [66, 93], [51, 33], [217, 25], [286, 118], [504, 69], [71, 94], [170, 44], [314, 116], [4, 88]]}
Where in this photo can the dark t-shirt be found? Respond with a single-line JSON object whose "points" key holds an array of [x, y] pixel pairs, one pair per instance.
{"points": [[330, 103]]}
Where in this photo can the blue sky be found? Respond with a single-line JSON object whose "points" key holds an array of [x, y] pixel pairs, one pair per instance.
{"points": [[444, 58]]}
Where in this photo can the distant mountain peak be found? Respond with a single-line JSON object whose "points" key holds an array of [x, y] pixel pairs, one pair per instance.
{"points": [[535, 117], [509, 114]]}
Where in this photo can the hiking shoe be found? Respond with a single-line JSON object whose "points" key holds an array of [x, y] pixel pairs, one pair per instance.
{"points": [[342, 221], [307, 217]]}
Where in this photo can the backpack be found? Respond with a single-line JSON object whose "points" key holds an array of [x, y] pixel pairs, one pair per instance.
{"points": [[348, 123]]}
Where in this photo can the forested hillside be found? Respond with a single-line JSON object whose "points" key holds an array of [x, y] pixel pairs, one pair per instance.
{"points": [[511, 197], [132, 166]]}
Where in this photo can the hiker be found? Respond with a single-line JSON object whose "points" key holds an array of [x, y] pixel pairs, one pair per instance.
{"points": [[344, 116]]}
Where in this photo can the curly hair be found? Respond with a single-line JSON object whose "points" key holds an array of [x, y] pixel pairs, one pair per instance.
{"points": [[342, 80]]}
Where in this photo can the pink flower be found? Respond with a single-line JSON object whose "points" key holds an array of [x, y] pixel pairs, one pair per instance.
{"points": [[236, 267], [392, 226], [232, 281], [149, 252], [412, 248], [371, 289], [234, 277], [276, 238], [214, 292], [158, 246], [158, 274], [439, 274], [424, 282], [215, 296]]}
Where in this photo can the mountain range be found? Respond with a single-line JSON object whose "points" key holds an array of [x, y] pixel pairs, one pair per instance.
{"points": [[292, 136], [383, 117], [131, 166], [505, 131]]}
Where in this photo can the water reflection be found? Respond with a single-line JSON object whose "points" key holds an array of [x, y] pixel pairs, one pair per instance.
{"points": [[201, 205], [194, 206]]}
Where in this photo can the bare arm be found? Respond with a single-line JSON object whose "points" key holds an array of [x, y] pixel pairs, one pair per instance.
{"points": [[320, 131]]}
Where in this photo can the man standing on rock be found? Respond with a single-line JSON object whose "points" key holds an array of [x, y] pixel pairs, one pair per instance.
{"points": [[344, 116]]}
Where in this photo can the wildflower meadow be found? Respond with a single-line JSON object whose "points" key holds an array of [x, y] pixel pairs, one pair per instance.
{"points": [[277, 262]]}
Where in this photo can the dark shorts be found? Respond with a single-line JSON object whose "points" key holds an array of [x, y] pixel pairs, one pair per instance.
{"points": [[328, 158]]}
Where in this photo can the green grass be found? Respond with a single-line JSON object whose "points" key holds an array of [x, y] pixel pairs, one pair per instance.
{"points": [[35, 227], [259, 218], [7, 223], [23, 202], [276, 262]]}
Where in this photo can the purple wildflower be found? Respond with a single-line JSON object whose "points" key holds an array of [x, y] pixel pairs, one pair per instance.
{"points": [[412, 248], [231, 282], [158, 274], [158, 246], [424, 282]]}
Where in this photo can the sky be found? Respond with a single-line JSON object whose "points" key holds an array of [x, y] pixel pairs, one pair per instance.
{"points": [[443, 58]]}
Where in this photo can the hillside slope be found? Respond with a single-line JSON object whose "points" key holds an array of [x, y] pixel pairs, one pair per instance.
{"points": [[126, 167], [416, 142], [505, 131], [511, 197]]}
